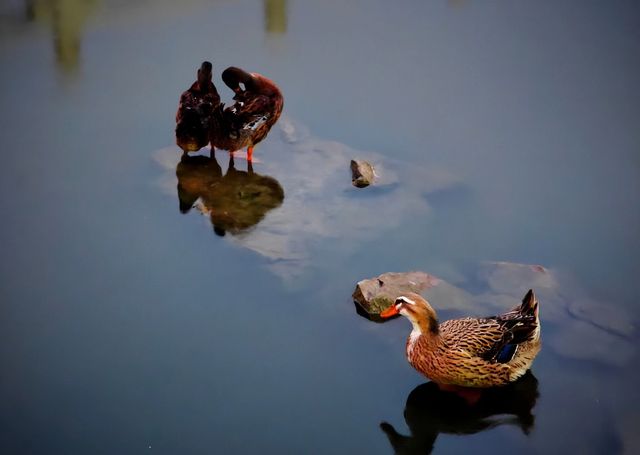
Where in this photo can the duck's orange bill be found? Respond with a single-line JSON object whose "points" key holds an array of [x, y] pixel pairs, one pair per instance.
{"points": [[391, 311]]}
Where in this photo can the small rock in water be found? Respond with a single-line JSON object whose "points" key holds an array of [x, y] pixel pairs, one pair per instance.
{"points": [[362, 173], [375, 295]]}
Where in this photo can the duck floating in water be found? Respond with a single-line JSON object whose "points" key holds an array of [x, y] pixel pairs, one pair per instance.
{"points": [[256, 109], [470, 352], [193, 118]]}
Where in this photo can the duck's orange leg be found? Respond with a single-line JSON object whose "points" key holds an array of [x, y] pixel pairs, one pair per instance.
{"points": [[249, 153]]}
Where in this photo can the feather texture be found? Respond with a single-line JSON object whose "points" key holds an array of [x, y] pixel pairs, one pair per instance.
{"points": [[248, 121], [473, 352]]}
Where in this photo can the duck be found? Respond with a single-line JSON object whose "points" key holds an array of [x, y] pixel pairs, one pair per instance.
{"points": [[470, 352], [258, 105], [193, 118]]}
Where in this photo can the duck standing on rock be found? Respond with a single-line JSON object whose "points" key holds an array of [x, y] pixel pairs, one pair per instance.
{"points": [[258, 105], [470, 352], [193, 117]]}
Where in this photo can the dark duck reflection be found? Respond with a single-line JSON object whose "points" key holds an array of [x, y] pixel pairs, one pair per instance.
{"points": [[258, 105], [235, 201], [430, 411], [193, 119]]}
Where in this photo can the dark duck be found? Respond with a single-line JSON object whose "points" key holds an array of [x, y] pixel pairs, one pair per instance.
{"points": [[258, 105], [197, 104]]}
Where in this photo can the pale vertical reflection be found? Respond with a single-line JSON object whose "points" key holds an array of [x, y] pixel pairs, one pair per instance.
{"points": [[67, 19], [275, 16]]}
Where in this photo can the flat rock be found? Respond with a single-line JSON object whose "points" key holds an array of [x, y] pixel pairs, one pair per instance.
{"points": [[376, 294], [362, 173]]}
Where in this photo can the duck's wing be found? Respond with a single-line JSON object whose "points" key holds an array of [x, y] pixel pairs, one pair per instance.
{"points": [[494, 339], [251, 111]]}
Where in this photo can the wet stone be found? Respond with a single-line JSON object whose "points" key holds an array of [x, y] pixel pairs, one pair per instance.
{"points": [[375, 295], [362, 173]]}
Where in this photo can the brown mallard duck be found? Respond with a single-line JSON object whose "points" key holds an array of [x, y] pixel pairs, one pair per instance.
{"points": [[193, 118], [470, 352], [258, 105]]}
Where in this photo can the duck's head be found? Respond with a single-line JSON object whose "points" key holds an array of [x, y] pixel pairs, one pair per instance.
{"points": [[415, 308], [205, 74], [234, 76]]}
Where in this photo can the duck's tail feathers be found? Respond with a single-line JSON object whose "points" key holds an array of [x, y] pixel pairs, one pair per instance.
{"points": [[529, 305]]}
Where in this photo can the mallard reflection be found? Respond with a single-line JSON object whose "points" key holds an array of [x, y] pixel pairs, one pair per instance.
{"points": [[235, 201], [430, 411]]}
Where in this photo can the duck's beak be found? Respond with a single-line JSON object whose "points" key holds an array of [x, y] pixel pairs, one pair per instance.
{"points": [[391, 311]]}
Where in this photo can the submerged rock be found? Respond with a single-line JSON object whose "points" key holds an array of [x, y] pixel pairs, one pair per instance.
{"points": [[313, 213], [362, 173], [376, 294], [581, 326]]}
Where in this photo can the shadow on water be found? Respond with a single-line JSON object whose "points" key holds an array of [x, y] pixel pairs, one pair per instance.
{"points": [[235, 201], [430, 411]]}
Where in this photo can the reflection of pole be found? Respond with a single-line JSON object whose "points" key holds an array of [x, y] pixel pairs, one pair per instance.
{"points": [[29, 10], [67, 33], [275, 16], [67, 18]]}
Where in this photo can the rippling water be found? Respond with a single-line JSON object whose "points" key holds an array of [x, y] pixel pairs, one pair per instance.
{"points": [[150, 304]]}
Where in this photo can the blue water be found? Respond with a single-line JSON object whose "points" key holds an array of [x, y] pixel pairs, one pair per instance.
{"points": [[506, 134]]}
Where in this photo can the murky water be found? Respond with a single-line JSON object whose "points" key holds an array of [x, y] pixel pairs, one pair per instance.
{"points": [[143, 316]]}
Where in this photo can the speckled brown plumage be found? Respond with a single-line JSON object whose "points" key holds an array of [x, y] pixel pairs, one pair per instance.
{"points": [[256, 109], [471, 352]]}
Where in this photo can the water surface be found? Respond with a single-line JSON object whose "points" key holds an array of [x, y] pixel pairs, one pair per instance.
{"points": [[509, 137]]}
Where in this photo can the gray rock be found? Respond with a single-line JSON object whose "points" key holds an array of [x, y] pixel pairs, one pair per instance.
{"points": [[376, 294], [362, 173]]}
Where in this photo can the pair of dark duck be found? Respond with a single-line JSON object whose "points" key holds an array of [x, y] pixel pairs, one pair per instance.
{"points": [[202, 118]]}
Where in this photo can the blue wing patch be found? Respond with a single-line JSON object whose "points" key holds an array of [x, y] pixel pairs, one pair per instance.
{"points": [[506, 353]]}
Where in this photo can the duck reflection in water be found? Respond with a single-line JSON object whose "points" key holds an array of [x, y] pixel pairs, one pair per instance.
{"points": [[235, 201], [430, 411]]}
